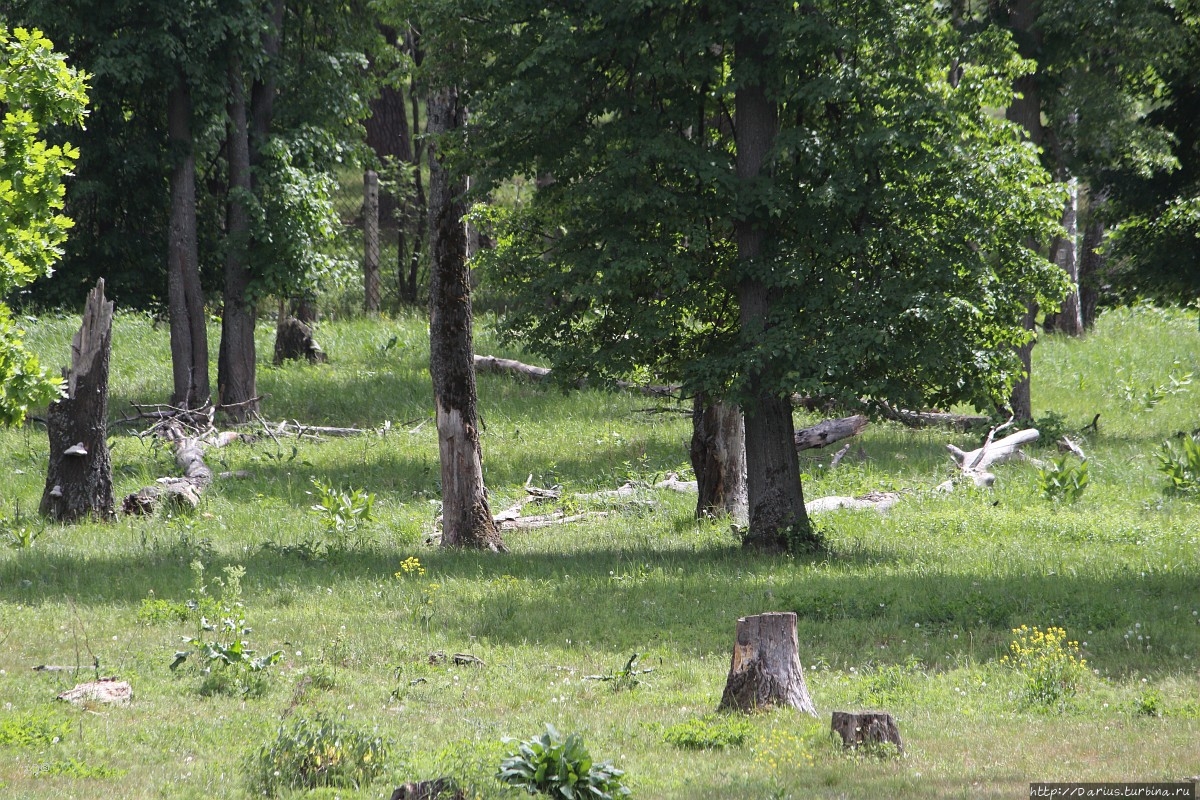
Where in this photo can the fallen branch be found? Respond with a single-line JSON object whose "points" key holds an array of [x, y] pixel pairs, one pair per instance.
{"points": [[830, 431], [975, 463], [880, 501], [530, 372], [546, 520], [184, 491]]}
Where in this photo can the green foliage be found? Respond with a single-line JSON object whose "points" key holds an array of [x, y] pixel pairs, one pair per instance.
{"points": [[156, 611], [342, 512], [710, 732], [74, 768], [561, 768], [1050, 666], [1060, 481], [316, 752], [1149, 703], [37, 91], [227, 662], [624, 678], [1182, 467], [20, 532], [32, 729]]}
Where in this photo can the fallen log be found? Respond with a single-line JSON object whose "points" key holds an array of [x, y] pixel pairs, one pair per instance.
{"points": [[182, 491], [830, 431], [975, 463], [880, 501], [531, 372]]}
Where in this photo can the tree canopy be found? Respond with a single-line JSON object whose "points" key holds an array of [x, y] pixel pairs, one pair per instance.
{"points": [[38, 90]]}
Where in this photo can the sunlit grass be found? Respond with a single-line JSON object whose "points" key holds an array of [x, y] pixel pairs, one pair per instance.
{"points": [[911, 611]]}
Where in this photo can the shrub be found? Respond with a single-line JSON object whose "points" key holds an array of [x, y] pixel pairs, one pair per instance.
{"points": [[317, 752], [1182, 467], [1050, 665], [1063, 482], [557, 767], [710, 732]]}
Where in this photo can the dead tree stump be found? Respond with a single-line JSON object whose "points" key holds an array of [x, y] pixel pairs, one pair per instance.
{"points": [[765, 669], [294, 341], [866, 728], [79, 477]]}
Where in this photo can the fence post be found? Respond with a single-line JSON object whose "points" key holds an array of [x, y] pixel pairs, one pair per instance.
{"points": [[371, 242]]}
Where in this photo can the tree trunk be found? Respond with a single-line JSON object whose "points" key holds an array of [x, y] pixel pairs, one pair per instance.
{"points": [[1065, 249], [371, 242], [235, 362], [185, 298], [79, 477], [765, 669], [1091, 260], [778, 521], [1026, 111], [466, 518], [416, 205], [718, 456]]}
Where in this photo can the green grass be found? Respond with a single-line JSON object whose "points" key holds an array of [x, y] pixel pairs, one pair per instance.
{"points": [[911, 611]]}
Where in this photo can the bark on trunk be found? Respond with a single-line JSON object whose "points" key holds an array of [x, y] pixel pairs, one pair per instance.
{"points": [[235, 362], [79, 476], [778, 521], [765, 669], [1068, 318], [466, 518], [1026, 111], [185, 298], [371, 210], [1091, 260], [718, 454]]}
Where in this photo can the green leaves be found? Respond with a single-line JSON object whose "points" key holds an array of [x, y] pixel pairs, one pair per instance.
{"points": [[37, 91], [550, 765], [1181, 467]]}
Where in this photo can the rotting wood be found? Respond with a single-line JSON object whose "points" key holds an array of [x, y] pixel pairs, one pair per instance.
{"points": [[1066, 445], [435, 789], [79, 473], [183, 491], [106, 690], [975, 463], [880, 501], [830, 431], [531, 372], [765, 669], [869, 728]]}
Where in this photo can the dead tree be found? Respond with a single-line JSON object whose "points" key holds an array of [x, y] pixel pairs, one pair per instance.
{"points": [[765, 669], [869, 728], [79, 477]]}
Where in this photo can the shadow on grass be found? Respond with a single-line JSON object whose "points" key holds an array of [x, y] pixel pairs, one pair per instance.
{"points": [[675, 595]]}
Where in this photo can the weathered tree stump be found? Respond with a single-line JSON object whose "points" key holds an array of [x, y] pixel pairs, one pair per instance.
{"points": [[79, 476], [294, 341], [436, 789], [859, 728], [765, 669]]}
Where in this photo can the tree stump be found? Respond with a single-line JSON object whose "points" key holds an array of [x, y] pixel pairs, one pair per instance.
{"points": [[79, 477], [866, 727], [294, 341], [765, 669]]}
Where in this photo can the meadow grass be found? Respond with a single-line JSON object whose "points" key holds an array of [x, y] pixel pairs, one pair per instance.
{"points": [[912, 611]]}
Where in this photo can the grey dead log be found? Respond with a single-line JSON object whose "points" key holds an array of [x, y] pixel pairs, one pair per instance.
{"points": [[79, 475], [531, 372], [765, 669], [859, 728], [106, 690], [975, 463], [830, 431], [183, 492], [880, 501]]}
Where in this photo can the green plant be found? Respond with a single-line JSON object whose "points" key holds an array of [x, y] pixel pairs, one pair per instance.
{"points": [[1149, 703], [317, 752], [20, 532], [624, 678], [562, 768], [1050, 665], [342, 512], [710, 732], [220, 643], [1181, 467], [73, 768], [31, 729], [1060, 481]]}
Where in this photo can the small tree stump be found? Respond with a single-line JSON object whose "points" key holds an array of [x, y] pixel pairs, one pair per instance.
{"points": [[79, 476], [866, 727], [436, 789], [294, 341], [765, 669]]}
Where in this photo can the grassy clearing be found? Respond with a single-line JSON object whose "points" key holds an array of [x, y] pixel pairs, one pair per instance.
{"points": [[912, 611]]}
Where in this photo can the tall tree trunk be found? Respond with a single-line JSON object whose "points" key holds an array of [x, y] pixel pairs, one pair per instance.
{"points": [[420, 152], [718, 454], [1065, 251], [185, 298], [466, 518], [235, 362], [1091, 259], [778, 520], [1026, 111]]}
